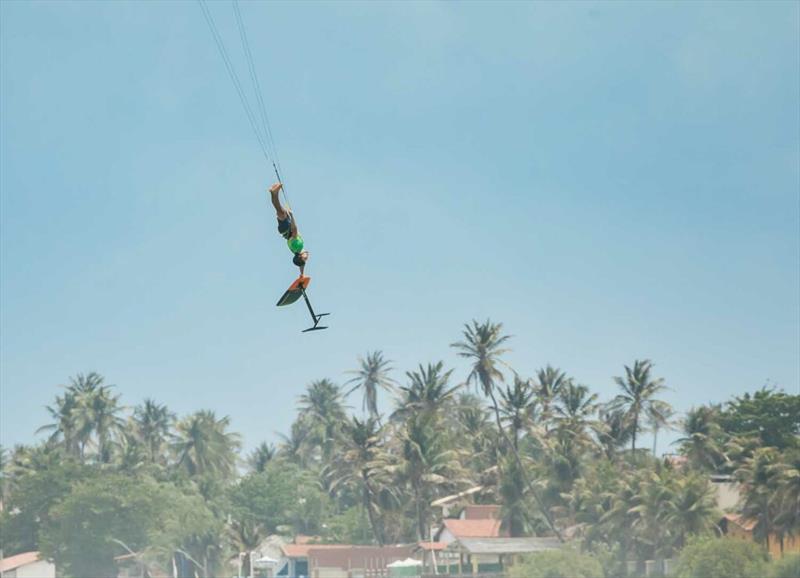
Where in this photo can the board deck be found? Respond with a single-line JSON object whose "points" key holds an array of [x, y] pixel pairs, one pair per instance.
{"points": [[294, 292]]}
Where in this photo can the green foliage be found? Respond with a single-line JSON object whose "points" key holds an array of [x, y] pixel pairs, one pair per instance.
{"points": [[703, 438], [722, 558], [281, 498], [349, 527], [203, 446], [373, 374], [107, 507], [108, 513], [637, 398], [547, 450], [28, 507], [557, 564], [786, 567], [772, 416]]}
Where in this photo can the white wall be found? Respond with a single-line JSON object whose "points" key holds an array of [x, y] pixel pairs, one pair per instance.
{"points": [[446, 536], [39, 569]]}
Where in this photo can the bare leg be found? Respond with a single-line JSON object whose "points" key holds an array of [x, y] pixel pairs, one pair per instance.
{"points": [[276, 202]]}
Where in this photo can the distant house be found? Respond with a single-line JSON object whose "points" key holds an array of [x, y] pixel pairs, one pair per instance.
{"points": [[738, 527], [340, 560], [294, 558], [453, 530], [476, 521], [486, 555], [27, 565]]}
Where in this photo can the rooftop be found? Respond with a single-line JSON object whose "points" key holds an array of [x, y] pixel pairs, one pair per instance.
{"points": [[504, 545], [486, 528], [13, 562], [740, 521]]}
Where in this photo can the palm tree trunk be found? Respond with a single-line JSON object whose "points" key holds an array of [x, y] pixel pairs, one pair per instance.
{"points": [[545, 512], [420, 515], [655, 439], [376, 530]]}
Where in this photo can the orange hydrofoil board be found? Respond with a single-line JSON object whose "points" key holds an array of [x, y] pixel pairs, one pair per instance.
{"points": [[297, 290]]}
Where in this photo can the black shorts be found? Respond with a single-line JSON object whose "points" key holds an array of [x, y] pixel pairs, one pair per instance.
{"points": [[285, 227]]}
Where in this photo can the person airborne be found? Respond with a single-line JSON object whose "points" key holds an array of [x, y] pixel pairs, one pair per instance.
{"points": [[287, 227]]}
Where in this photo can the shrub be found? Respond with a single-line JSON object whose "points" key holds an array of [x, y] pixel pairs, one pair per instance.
{"points": [[786, 567], [722, 558], [557, 564]]}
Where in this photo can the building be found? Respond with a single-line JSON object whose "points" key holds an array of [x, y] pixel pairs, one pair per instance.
{"points": [[454, 529], [727, 491], [475, 521], [294, 558], [27, 565], [487, 555], [737, 527], [340, 560]]}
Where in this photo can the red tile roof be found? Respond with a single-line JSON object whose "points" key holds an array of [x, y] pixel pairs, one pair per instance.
{"points": [[740, 521], [473, 528], [23, 559]]}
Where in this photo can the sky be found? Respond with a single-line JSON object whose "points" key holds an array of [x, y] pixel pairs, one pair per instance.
{"points": [[611, 181]]}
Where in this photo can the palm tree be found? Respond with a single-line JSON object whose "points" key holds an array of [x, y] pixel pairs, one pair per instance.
{"points": [[261, 456], [373, 374], [655, 493], [429, 466], [363, 466], [428, 391], [470, 423], [550, 381], [295, 446], [87, 407], [787, 496], [84, 389], [483, 345], [511, 489], [152, 423], [246, 535], [103, 410], [659, 416], [614, 431], [700, 441], [573, 416], [760, 483], [518, 408], [618, 517], [204, 446], [322, 407], [64, 427], [638, 394], [692, 510], [575, 408]]}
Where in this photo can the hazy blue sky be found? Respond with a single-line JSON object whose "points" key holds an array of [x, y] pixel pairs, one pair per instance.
{"points": [[611, 181]]}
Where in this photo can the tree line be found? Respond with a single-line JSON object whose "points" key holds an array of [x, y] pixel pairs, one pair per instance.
{"points": [[559, 460]]}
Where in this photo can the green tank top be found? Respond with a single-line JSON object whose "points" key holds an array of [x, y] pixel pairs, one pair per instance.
{"points": [[295, 244]]}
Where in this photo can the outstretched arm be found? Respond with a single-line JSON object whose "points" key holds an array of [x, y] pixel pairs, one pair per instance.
{"points": [[274, 191]]}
